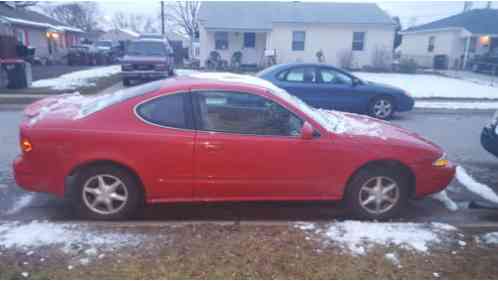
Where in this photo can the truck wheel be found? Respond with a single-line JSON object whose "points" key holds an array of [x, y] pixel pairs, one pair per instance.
{"points": [[126, 82]]}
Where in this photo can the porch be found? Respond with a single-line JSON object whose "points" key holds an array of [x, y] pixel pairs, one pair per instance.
{"points": [[234, 48]]}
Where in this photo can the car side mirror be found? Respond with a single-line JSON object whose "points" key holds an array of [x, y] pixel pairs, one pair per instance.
{"points": [[307, 131], [356, 82]]}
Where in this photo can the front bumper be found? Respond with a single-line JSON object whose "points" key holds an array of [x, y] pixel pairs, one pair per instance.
{"points": [[433, 179], [405, 103], [145, 74], [489, 140]]}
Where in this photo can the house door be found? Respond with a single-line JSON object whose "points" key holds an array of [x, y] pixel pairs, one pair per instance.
{"points": [[249, 53]]}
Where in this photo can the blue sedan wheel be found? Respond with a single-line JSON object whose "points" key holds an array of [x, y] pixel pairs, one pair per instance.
{"points": [[382, 108]]}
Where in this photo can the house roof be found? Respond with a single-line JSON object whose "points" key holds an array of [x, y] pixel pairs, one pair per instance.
{"points": [[23, 16], [478, 21], [261, 15]]}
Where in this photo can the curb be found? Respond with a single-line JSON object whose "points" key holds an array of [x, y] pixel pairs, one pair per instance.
{"points": [[14, 99]]}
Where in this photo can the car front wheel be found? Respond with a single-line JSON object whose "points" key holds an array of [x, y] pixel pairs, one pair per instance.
{"points": [[377, 193], [106, 193], [382, 108]]}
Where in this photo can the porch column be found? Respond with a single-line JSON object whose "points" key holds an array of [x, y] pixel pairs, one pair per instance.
{"points": [[466, 53]]}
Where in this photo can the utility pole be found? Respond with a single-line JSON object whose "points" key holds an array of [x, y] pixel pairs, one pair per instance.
{"points": [[488, 5], [467, 6], [162, 19]]}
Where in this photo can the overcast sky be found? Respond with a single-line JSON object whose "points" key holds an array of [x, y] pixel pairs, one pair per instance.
{"points": [[409, 12]]}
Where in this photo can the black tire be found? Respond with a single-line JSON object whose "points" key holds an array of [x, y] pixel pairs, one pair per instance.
{"points": [[382, 108], [355, 193], [126, 82], [135, 195]]}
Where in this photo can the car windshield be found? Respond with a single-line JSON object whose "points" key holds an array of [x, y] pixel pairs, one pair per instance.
{"points": [[103, 101], [326, 120], [143, 48], [103, 44]]}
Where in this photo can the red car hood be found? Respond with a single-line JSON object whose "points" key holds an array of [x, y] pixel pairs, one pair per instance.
{"points": [[374, 131]]}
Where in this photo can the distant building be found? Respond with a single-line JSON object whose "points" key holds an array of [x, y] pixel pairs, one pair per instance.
{"points": [[49, 37], [459, 37], [119, 34], [295, 31]]}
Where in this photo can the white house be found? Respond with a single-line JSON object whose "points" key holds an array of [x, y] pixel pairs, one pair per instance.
{"points": [[295, 31], [459, 37]]}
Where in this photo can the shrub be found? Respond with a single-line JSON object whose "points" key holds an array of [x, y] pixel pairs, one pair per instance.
{"points": [[408, 66]]}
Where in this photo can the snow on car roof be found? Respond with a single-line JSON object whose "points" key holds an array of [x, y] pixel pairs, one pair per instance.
{"points": [[227, 77]]}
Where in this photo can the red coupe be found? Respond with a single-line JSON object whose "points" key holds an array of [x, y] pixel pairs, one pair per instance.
{"points": [[219, 137]]}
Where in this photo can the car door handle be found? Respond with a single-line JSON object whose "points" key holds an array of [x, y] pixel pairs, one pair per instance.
{"points": [[213, 146]]}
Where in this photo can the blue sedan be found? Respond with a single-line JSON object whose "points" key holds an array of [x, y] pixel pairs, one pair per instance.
{"points": [[327, 87], [489, 136]]}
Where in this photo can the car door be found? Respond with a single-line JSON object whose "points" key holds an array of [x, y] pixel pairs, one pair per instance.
{"points": [[339, 89], [302, 82], [166, 146], [249, 147]]}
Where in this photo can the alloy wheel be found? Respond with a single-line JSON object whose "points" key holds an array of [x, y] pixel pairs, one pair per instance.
{"points": [[105, 194], [379, 195], [382, 108]]}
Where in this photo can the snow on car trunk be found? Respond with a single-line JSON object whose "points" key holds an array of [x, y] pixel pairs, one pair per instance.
{"points": [[432, 86], [358, 237], [74, 80]]}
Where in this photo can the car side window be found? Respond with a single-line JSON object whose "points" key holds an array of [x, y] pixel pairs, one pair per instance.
{"points": [[168, 111], [331, 76], [301, 74], [244, 113]]}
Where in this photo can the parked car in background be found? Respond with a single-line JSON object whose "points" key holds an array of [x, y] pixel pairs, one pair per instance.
{"points": [[489, 136], [147, 59], [79, 55], [324, 86], [219, 137]]}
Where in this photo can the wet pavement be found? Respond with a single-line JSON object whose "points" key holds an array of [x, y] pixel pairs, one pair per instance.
{"points": [[456, 131]]}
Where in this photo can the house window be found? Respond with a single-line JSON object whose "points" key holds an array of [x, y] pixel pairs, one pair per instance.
{"points": [[249, 40], [298, 38], [432, 41], [472, 44], [221, 40], [21, 37], [197, 51], [358, 41]]}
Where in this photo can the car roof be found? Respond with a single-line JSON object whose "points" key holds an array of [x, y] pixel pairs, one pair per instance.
{"points": [[216, 79]]}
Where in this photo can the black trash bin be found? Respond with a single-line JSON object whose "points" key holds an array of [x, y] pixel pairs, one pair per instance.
{"points": [[18, 73]]}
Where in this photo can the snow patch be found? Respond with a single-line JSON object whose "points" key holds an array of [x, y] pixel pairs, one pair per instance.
{"points": [[305, 225], [475, 187], [448, 203], [74, 80], [490, 238], [486, 105], [357, 237], [393, 258], [20, 204], [37, 234], [432, 86]]}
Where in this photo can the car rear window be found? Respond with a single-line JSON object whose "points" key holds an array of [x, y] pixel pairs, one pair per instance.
{"points": [[102, 101], [167, 111], [147, 48]]}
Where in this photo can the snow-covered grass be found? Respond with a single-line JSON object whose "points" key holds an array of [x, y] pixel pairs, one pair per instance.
{"points": [[77, 79], [432, 86], [482, 190], [357, 237], [39, 234]]}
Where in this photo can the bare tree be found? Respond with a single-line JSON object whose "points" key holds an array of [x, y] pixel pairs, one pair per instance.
{"points": [[119, 20], [78, 14], [184, 15]]}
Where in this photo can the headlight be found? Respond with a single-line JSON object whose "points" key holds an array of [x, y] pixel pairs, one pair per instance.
{"points": [[441, 162]]}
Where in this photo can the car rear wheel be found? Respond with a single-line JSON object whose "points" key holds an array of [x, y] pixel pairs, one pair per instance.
{"points": [[382, 108], [377, 193], [106, 193], [126, 82]]}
